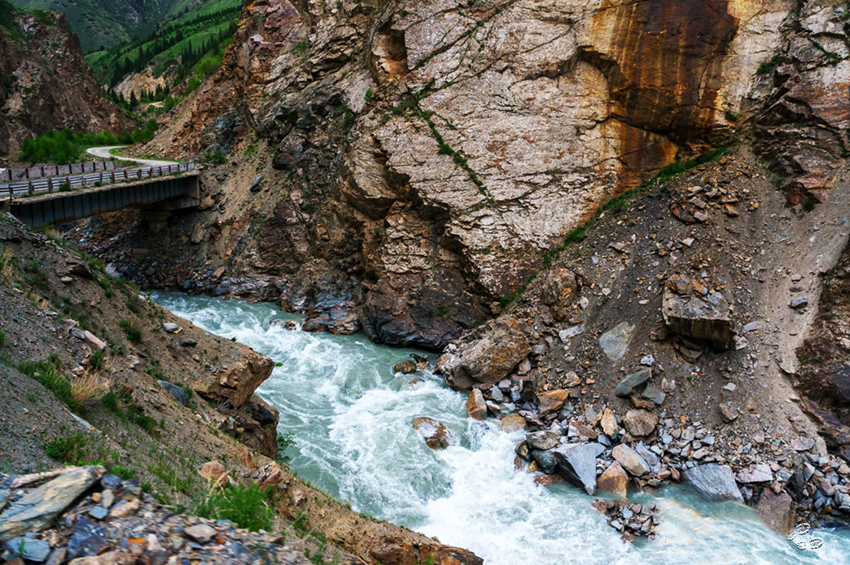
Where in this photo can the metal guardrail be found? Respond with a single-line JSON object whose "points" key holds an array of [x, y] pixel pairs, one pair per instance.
{"points": [[68, 183], [42, 172]]}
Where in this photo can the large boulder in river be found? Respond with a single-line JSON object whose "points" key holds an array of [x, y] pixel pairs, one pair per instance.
{"points": [[614, 480], [577, 464], [488, 359], [405, 367], [777, 511], [476, 406], [435, 434], [236, 382], [714, 482]]}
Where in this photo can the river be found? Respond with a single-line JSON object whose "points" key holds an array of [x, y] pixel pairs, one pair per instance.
{"points": [[350, 418]]}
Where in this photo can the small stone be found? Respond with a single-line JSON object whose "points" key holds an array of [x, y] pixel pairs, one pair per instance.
{"points": [[615, 341], [799, 302], [170, 327], [543, 440], [614, 480], [512, 423], [125, 509], [609, 423], [212, 470], [107, 498], [201, 533], [803, 444], [654, 394], [630, 460], [727, 413], [640, 423], [111, 482], [730, 387], [98, 512], [29, 549], [631, 382], [176, 392], [551, 401], [759, 474]]}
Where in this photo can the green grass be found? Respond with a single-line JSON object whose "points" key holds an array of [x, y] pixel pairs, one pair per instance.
{"points": [[66, 146], [70, 448], [133, 333], [47, 373], [246, 507]]}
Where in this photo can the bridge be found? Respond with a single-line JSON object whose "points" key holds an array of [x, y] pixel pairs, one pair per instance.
{"points": [[43, 195]]}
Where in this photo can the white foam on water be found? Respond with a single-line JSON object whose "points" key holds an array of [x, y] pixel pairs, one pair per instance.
{"points": [[351, 420]]}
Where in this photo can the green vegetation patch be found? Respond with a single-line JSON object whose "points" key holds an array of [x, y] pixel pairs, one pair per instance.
{"points": [[244, 506], [47, 373]]}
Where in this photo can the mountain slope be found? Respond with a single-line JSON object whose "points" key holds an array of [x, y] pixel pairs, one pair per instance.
{"points": [[103, 23], [45, 82]]}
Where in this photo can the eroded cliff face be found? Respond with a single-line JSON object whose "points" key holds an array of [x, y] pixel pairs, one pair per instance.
{"points": [[46, 83], [429, 154]]}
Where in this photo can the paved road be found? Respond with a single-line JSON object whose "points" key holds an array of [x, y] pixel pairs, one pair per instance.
{"points": [[104, 153]]}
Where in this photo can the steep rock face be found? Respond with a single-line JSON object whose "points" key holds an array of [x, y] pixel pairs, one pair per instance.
{"points": [[434, 152], [46, 83]]}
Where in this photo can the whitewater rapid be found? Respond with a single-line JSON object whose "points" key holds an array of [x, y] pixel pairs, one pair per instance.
{"points": [[350, 418]]}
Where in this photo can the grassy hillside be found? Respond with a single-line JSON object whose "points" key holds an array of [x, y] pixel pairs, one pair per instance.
{"points": [[104, 23]]}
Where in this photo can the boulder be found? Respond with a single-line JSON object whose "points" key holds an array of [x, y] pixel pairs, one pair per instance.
{"points": [[40, 507], [630, 460], [178, 393], [201, 533], [654, 394], [551, 401], [94, 342], [86, 539], [613, 480], [615, 341], [546, 460], [435, 434], [170, 327], [640, 423], [513, 423], [476, 407], [405, 367], [488, 359], [237, 382], [543, 440], [727, 412], [777, 511], [631, 382], [693, 317], [714, 482], [212, 470], [558, 287], [577, 464]]}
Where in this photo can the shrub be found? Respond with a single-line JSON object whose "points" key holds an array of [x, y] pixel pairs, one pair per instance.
{"points": [[34, 275], [70, 449], [134, 334], [244, 506], [123, 472], [97, 359], [2, 337], [217, 158]]}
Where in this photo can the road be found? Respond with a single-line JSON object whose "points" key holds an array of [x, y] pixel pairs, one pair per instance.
{"points": [[104, 153]]}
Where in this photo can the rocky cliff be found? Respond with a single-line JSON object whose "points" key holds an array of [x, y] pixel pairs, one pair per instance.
{"points": [[46, 83], [405, 167]]}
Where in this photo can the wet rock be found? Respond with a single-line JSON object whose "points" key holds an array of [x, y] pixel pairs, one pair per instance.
{"points": [[86, 539], [435, 434], [614, 480], [476, 407], [577, 464], [615, 341], [777, 511], [513, 423], [630, 460], [546, 480], [714, 482], [405, 367], [550, 402], [178, 393], [640, 423], [29, 549], [38, 508], [546, 460], [695, 318], [488, 359], [631, 382], [543, 440], [523, 450]]}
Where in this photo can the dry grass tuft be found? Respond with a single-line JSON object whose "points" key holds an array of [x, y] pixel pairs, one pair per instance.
{"points": [[88, 390]]}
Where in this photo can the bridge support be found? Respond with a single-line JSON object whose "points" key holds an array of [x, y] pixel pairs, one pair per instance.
{"points": [[156, 214]]}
